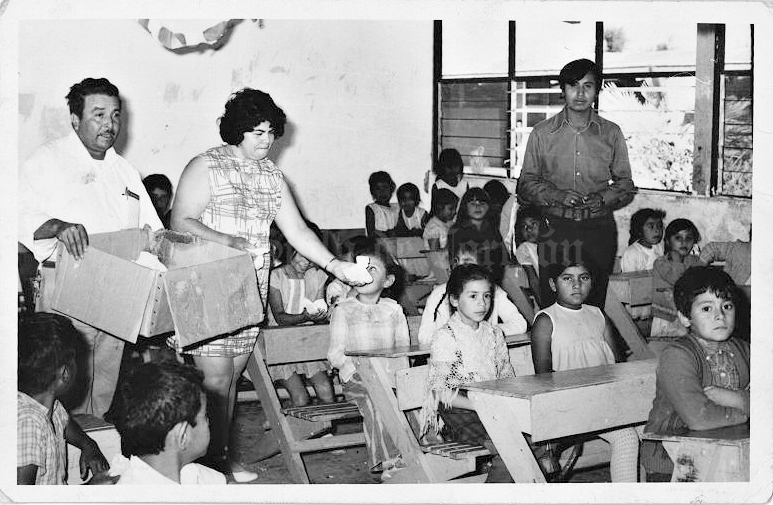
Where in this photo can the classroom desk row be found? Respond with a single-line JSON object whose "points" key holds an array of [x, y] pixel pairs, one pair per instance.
{"points": [[576, 402]]}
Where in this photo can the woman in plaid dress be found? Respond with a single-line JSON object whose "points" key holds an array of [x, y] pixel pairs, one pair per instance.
{"points": [[231, 194]]}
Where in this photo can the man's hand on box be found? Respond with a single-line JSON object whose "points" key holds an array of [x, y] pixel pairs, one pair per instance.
{"points": [[74, 238]]}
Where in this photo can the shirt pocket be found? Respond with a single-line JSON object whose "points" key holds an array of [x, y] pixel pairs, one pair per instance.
{"points": [[600, 157]]}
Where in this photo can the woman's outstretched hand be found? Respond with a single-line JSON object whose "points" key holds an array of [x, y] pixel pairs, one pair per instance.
{"points": [[350, 273]]}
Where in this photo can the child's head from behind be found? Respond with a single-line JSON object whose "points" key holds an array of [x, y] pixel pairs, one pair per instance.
{"points": [[408, 197], [465, 253], [498, 194], [474, 206], [381, 186], [449, 166], [444, 204], [382, 267], [48, 346], [705, 298], [681, 235], [571, 282], [529, 225], [470, 291], [647, 227], [162, 406]]}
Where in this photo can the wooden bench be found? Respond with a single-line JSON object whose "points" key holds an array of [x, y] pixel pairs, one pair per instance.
{"points": [[297, 427], [718, 455], [560, 404], [631, 289], [425, 463]]}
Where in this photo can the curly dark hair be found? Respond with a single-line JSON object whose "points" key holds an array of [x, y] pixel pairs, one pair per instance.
{"points": [[639, 218], [46, 342], [89, 86], [703, 279], [245, 110], [381, 177], [151, 400], [442, 198], [448, 157], [412, 191]]}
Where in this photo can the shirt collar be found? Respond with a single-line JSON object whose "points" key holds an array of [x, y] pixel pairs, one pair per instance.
{"points": [[76, 146], [560, 120]]}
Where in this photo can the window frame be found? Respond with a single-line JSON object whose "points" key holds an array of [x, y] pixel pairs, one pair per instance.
{"points": [[707, 166]]}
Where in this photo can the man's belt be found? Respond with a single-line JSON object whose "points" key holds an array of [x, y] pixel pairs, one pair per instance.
{"points": [[48, 264], [575, 213]]}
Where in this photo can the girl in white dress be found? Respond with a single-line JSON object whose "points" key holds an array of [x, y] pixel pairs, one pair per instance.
{"points": [[570, 334], [381, 215]]}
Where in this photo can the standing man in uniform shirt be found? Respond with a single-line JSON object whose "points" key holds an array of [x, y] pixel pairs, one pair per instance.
{"points": [[576, 170], [75, 186]]}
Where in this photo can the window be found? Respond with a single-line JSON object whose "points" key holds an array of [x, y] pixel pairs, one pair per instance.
{"points": [[649, 90]]}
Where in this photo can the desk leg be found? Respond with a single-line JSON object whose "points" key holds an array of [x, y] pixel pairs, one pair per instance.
{"points": [[497, 415]]}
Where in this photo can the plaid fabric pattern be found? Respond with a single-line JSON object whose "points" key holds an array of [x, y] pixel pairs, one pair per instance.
{"points": [[245, 196], [39, 442], [722, 367]]}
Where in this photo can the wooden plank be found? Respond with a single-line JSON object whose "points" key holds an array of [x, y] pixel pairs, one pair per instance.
{"points": [[633, 288], [622, 320], [697, 461], [328, 412], [410, 386], [499, 416], [289, 344], [706, 92], [592, 408]]}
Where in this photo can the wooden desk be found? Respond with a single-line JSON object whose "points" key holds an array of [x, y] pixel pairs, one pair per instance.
{"points": [[560, 404], [421, 467], [718, 455]]}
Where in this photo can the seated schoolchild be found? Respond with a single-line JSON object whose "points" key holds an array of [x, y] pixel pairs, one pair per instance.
{"points": [[296, 296], [337, 290], [645, 244], [466, 349], [438, 306], [381, 215], [161, 415], [702, 379], [411, 219], [47, 370], [443, 212]]}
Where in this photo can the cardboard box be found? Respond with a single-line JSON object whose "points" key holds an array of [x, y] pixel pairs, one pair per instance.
{"points": [[208, 290]]}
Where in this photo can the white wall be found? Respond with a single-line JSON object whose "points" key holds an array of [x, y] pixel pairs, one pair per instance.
{"points": [[357, 94]]}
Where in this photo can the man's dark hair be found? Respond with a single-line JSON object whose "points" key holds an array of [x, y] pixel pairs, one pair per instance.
{"points": [[89, 86], [703, 279], [160, 181], [151, 400], [576, 70], [46, 341], [245, 110]]}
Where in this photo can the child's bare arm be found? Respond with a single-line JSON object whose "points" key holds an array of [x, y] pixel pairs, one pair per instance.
{"points": [[370, 221], [541, 339], [278, 310], [26, 475], [609, 337], [91, 456]]}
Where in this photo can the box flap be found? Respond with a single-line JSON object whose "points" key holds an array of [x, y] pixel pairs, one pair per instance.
{"points": [[214, 298], [105, 291], [157, 318], [125, 244]]}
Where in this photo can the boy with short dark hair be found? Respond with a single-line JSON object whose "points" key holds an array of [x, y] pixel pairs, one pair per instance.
{"points": [[703, 379], [161, 415], [47, 371]]}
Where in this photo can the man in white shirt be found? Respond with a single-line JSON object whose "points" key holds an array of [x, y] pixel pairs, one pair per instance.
{"points": [[75, 186]]}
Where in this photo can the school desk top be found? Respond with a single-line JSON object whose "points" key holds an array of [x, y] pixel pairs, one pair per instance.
{"points": [[421, 350]]}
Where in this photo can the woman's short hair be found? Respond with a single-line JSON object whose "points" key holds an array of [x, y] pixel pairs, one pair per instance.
{"points": [[245, 110]]}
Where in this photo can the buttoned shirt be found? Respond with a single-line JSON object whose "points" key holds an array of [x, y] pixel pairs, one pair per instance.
{"points": [[40, 441], [561, 157], [61, 180]]}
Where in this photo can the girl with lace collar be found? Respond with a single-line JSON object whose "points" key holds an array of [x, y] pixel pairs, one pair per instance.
{"points": [[467, 349]]}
